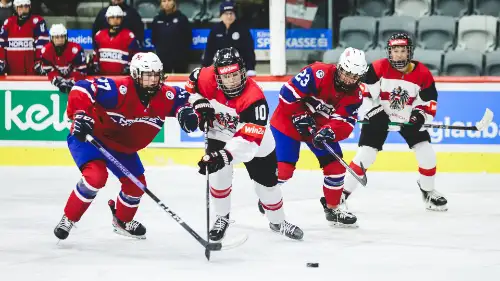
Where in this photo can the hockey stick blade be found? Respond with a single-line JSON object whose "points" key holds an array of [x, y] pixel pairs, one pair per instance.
{"points": [[486, 120], [362, 180]]}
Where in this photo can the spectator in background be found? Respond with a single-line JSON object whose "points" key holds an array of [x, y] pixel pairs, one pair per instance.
{"points": [[171, 35], [115, 46], [230, 33], [22, 38], [132, 21], [63, 61], [6, 10]]}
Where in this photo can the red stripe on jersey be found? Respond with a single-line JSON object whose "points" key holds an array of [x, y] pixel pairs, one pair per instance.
{"points": [[427, 172], [251, 132], [387, 96], [248, 138]]}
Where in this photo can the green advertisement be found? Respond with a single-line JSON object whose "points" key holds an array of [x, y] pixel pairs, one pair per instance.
{"points": [[37, 115]]}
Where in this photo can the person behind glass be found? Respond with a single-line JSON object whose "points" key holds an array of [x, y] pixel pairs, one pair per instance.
{"points": [[131, 21], [171, 35], [230, 33], [6, 10]]}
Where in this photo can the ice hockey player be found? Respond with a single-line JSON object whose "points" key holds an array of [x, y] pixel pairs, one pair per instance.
{"points": [[124, 115], [63, 61], [402, 90], [236, 111], [320, 104], [22, 38], [114, 47]]}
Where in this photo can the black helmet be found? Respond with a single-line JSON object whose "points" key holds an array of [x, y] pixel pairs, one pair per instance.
{"points": [[404, 40], [230, 72]]}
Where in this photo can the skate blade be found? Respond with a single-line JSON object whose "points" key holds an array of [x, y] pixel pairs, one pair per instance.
{"points": [[343, 225], [233, 242], [435, 208], [122, 232]]}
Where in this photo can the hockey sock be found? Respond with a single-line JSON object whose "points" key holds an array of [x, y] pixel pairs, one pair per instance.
{"points": [[129, 198], [220, 189], [94, 177], [426, 158], [272, 201], [285, 171], [333, 182], [365, 155]]}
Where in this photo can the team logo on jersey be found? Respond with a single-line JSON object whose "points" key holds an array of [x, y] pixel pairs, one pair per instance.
{"points": [[175, 20], [320, 74], [236, 36], [227, 121], [123, 89], [399, 97], [35, 20], [170, 95], [74, 50]]}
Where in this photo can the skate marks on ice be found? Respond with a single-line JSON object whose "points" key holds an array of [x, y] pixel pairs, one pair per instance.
{"points": [[397, 238]]}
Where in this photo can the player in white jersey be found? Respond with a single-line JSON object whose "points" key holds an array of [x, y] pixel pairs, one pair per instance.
{"points": [[236, 110], [402, 90]]}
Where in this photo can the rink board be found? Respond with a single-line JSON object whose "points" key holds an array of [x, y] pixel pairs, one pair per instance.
{"points": [[34, 129]]}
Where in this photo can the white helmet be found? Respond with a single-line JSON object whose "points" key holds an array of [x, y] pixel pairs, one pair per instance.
{"points": [[114, 11], [21, 2], [351, 68], [143, 63], [58, 30]]}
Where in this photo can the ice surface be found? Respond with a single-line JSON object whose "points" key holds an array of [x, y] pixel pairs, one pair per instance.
{"points": [[397, 239]]}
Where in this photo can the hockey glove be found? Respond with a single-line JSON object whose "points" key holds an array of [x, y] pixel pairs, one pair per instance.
{"points": [[324, 134], [377, 118], [83, 125], [214, 161], [64, 85], [206, 112], [188, 119], [2, 67], [38, 68], [417, 119], [303, 123]]}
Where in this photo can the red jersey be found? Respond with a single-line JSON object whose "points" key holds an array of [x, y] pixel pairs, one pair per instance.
{"points": [[313, 91], [122, 122], [400, 94], [114, 52], [21, 45], [69, 64], [241, 121]]}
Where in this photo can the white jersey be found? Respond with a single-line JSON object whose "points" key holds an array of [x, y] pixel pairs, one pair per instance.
{"points": [[400, 94]]}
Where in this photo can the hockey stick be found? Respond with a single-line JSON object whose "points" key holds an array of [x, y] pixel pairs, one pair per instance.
{"points": [[209, 246], [481, 125], [363, 180], [207, 251]]}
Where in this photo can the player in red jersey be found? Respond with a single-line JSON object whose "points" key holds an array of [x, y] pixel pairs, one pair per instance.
{"points": [[402, 90], [236, 111], [114, 47], [63, 61], [125, 115], [21, 40], [320, 104]]}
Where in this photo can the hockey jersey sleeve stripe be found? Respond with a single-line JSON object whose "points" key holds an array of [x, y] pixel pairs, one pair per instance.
{"points": [[349, 120], [84, 91], [180, 99], [288, 94]]}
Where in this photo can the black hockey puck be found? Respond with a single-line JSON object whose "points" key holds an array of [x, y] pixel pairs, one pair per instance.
{"points": [[312, 264]]}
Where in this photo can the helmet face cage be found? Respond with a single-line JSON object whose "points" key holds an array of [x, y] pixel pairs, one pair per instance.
{"points": [[397, 41], [346, 81], [156, 77], [230, 72]]}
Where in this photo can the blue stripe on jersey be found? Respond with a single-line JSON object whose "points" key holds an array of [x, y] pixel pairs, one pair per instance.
{"points": [[305, 83], [352, 109], [287, 94], [87, 86], [107, 92], [180, 99], [350, 120]]}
